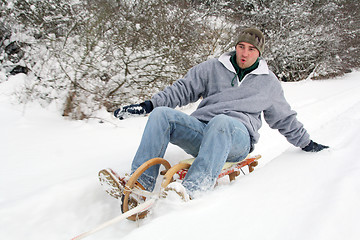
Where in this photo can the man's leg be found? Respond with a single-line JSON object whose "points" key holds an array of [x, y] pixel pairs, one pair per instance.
{"points": [[166, 125], [225, 139]]}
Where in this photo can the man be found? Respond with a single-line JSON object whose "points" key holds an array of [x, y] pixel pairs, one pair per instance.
{"points": [[236, 89]]}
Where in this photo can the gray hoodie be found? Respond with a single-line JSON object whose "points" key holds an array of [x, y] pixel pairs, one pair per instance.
{"points": [[259, 92]]}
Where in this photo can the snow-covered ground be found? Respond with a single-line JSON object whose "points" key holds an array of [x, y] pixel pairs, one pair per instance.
{"points": [[49, 187]]}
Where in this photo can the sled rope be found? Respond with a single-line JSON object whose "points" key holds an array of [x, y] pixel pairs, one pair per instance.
{"points": [[142, 207]]}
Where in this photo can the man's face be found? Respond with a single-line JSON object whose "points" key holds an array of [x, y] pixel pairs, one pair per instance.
{"points": [[246, 54]]}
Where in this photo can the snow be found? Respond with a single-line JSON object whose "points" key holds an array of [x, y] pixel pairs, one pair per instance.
{"points": [[49, 187]]}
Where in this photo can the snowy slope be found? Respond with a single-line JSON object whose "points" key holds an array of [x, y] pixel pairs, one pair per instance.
{"points": [[49, 187]]}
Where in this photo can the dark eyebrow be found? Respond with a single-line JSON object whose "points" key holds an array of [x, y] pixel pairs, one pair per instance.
{"points": [[251, 47]]}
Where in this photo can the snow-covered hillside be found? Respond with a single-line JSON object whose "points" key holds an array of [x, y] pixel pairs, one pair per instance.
{"points": [[49, 165]]}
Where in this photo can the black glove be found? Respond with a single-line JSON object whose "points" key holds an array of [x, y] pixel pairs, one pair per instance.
{"points": [[134, 110], [314, 147]]}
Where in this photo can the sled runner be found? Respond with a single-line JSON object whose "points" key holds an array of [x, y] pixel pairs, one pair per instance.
{"points": [[133, 195], [136, 201]]}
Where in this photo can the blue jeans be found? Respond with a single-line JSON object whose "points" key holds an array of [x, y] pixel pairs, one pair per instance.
{"points": [[222, 139]]}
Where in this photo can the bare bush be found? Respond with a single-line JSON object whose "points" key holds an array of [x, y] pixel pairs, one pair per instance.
{"points": [[86, 55]]}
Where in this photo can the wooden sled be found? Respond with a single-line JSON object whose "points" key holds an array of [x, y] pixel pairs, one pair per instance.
{"points": [[231, 169]]}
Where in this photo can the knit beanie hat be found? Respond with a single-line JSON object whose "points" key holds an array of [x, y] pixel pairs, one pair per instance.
{"points": [[254, 37]]}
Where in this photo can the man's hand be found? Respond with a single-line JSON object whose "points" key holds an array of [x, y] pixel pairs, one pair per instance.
{"points": [[314, 147], [134, 110]]}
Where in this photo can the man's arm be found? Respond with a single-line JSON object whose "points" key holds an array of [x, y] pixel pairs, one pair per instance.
{"points": [[280, 116], [183, 91]]}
